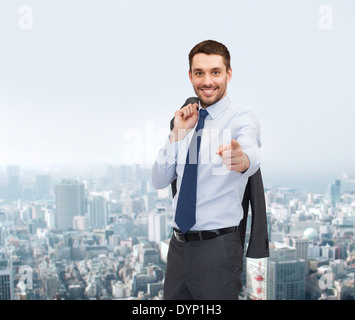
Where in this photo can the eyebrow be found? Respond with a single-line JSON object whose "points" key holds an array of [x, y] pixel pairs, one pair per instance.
{"points": [[213, 69]]}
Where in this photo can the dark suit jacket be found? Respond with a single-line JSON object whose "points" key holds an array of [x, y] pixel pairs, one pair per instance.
{"points": [[258, 246]]}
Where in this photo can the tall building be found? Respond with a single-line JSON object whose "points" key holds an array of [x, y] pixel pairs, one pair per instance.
{"points": [[333, 192], [97, 212], [286, 274], [301, 246], [51, 286], [13, 182], [70, 202], [49, 217], [287, 280], [157, 225], [256, 275], [37, 212], [3, 217], [6, 280], [2, 235]]}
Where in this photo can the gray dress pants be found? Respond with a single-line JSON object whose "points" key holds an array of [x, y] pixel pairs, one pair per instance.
{"points": [[204, 269]]}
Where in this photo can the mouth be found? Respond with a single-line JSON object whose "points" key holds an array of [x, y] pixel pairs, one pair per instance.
{"points": [[208, 91]]}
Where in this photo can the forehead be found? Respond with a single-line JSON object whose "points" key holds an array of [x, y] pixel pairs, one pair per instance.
{"points": [[207, 61]]}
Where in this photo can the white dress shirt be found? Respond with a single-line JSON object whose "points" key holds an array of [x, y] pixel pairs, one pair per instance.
{"points": [[219, 191]]}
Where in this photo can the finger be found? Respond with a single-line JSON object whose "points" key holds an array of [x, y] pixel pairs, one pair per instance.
{"points": [[186, 112], [226, 154], [189, 109], [229, 159], [232, 146], [219, 150], [222, 148], [193, 111], [234, 166], [233, 156], [235, 144], [180, 113], [234, 161]]}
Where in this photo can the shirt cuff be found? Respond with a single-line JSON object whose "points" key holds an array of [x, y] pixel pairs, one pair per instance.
{"points": [[254, 162]]}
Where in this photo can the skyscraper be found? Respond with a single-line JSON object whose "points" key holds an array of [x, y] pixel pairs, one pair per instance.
{"points": [[333, 193], [301, 246], [51, 286], [13, 182], [256, 273], [157, 225], [6, 280], [286, 274], [97, 212], [70, 202], [2, 235]]}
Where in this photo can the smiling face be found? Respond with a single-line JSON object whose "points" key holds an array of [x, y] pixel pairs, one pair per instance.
{"points": [[209, 77]]}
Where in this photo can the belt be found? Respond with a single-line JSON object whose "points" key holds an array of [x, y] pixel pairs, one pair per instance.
{"points": [[201, 235]]}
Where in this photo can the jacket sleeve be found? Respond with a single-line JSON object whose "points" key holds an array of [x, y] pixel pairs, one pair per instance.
{"points": [[258, 246]]}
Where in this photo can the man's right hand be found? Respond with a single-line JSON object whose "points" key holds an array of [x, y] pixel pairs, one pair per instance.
{"points": [[184, 120]]}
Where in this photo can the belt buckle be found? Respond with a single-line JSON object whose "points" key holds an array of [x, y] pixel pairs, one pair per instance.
{"points": [[177, 236]]}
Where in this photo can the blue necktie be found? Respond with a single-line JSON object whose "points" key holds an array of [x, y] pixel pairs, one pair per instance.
{"points": [[185, 216]]}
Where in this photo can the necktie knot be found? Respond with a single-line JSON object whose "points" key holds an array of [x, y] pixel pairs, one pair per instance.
{"points": [[201, 120], [203, 113]]}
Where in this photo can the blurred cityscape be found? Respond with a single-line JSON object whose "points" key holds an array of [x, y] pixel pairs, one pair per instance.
{"points": [[103, 234]]}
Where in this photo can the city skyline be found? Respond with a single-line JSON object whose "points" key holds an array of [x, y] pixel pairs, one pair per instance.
{"points": [[111, 241], [313, 183]]}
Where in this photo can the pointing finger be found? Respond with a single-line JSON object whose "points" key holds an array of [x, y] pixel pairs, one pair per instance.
{"points": [[235, 144]]}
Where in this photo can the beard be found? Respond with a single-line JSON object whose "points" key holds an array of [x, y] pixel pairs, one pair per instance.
{"points": [[208, 101]]}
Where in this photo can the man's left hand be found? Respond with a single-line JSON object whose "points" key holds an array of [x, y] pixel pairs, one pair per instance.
{"points": [[233, 156]]}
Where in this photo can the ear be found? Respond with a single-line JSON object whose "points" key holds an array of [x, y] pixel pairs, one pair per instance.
{"points": [[229, 74], [190, 75]]}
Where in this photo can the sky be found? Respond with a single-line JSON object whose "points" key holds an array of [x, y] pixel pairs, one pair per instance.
{"points": [[84, 81]]}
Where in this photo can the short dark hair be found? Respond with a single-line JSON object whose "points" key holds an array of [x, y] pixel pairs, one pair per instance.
{"points": [[211, 47]]}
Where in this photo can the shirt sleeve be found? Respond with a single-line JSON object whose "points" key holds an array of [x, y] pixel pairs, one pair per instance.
{"points": [[164, 168], [248, 136]]}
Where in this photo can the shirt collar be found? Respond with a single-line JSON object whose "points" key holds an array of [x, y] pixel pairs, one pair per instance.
{"points": [[216, 109]]}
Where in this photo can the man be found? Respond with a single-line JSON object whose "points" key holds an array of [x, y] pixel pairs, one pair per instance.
{"points": [[211, 152]]}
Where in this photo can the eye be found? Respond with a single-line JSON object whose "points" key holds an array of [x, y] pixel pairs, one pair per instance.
{"points": [[199, 73], [216, 73]]}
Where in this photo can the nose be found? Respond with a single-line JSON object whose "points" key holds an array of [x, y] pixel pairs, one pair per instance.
{"points": [[207, 81]]}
